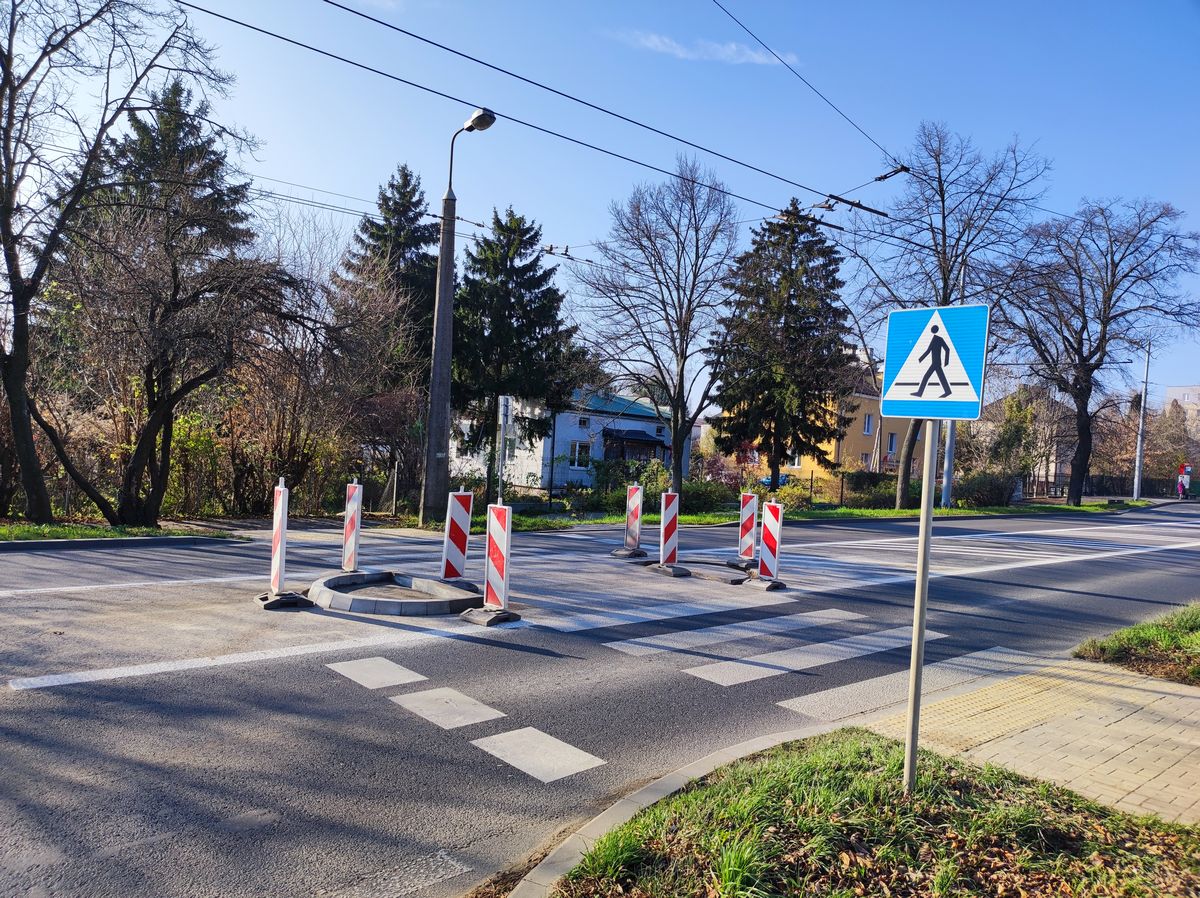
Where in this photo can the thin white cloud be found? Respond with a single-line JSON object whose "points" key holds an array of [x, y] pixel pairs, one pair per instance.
{"points": [[730, 52]]}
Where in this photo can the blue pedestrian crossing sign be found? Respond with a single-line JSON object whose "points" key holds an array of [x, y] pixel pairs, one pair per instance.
{"points": [[933, 363]]}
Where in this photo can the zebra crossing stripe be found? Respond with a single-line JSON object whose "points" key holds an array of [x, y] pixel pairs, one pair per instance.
{"points": [[689, 639], [668, 539], [499, 541], [538, 754], [458, 533], [772, 664], [352, 526], [749, 519]]}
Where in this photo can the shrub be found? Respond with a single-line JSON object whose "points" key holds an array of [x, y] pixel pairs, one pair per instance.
{"points": [[864, 481], [985, 488], [793, 495], [708, 495]]}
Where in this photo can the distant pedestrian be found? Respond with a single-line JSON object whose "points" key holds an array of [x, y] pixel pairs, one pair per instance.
{"points": [[1179, 487]]}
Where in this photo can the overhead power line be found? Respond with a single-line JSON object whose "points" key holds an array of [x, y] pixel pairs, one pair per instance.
{"points": [[525, 123], [572, 97], [807, 83]]}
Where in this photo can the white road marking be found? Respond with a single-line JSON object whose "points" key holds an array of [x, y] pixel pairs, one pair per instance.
{"points": [[541, 756], [375, 673], [772, 664], [448, 708], [687, 639], [413, 876], [574, 621], [878, 692], [291, 651]]}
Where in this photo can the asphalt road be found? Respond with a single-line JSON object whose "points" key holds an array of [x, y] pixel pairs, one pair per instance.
{"points": [[161, 735]]}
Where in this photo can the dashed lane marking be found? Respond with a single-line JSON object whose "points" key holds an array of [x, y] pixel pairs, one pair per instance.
{"points": [[540, 755], [688, 639], [375, 673], [414, 875], [407, 637], [447, 708], [772, 664]]}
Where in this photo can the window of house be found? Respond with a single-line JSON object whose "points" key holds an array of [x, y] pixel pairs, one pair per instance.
{"points": [[660, 430], [865, 458], [581, 454], [584, 421], [868, 423], [891, 442]]}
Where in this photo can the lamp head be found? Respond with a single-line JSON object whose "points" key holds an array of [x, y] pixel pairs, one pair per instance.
{"points": [[480, 120]]}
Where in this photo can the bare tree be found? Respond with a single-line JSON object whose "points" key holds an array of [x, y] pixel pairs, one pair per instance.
{"points": [[653, 301], [1095, 286], [959, 215], [69, 72]]}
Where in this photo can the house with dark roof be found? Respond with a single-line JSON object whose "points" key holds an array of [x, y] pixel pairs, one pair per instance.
{"points": [[598, 425]]}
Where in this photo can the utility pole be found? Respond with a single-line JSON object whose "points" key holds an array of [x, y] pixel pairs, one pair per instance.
{"points": [[1141, 437], [435, 484]]}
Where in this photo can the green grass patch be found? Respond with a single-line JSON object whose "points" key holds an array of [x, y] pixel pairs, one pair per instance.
{"points": [[18, 531], [1167, 646], [828, 817], [1022, 508]]}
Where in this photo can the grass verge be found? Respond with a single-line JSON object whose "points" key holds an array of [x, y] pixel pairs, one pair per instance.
{"points": [[828, 817], [1167, 646], [19, 531]]}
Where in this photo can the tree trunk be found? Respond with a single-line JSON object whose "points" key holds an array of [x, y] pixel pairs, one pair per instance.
{"points": [[904, 464], [677, 445], [1082, 458], [33, 482]]}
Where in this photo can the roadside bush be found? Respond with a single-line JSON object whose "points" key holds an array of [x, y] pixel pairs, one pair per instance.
{"points": [[707, 495], [882, 495], [794, 495], [984, 488], [864, 481]]}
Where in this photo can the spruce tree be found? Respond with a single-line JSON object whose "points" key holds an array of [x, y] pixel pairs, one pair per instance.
{"points": [[785, 363], [509, 336], [398, 241]]}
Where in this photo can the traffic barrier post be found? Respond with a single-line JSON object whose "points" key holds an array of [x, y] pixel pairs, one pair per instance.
{"points": [[277, 596], [352, 526], [769, 547], [458, 534], [631, 547]]}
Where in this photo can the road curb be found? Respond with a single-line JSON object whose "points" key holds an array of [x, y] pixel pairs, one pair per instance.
{"points": [[114, 542], [541, 880]]}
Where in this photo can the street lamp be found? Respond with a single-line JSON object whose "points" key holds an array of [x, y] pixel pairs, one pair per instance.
{"points": [[437, 428]]}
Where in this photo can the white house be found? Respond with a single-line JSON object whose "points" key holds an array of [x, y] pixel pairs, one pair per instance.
{"points": [[600, 425]]}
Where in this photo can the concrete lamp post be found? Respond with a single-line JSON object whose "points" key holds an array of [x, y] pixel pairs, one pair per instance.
{"points": [[437, 428]]}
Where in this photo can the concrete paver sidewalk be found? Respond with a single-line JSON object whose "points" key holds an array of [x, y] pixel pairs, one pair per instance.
{"points": [[1119, 737]]}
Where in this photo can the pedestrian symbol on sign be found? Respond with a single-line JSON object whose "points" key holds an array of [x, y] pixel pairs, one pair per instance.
{"points": [[937, 346]]}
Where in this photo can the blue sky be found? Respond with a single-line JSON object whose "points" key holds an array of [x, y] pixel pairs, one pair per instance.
{"points": [[1108, 91]]}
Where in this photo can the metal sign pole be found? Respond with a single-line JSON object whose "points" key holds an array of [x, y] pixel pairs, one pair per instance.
{"points": [[502, 449], [932, 438]]}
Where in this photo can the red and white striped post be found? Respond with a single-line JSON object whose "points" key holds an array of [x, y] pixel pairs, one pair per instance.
{"points": [[279, 540], [768, 556], [668, 532], [277, 596], [749, 519], [352, 526], [633, 517], [496, 562], [458, 534]]}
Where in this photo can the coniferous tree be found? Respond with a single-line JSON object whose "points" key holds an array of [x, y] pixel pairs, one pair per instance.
{"points": [[509, 336], [786, 366], [396, 244]]}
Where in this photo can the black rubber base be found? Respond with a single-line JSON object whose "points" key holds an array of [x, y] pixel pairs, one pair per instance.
{"points": [[488, 616], [271, 601]]}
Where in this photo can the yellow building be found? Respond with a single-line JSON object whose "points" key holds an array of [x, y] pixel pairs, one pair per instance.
{"points": [[871, 443]]}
